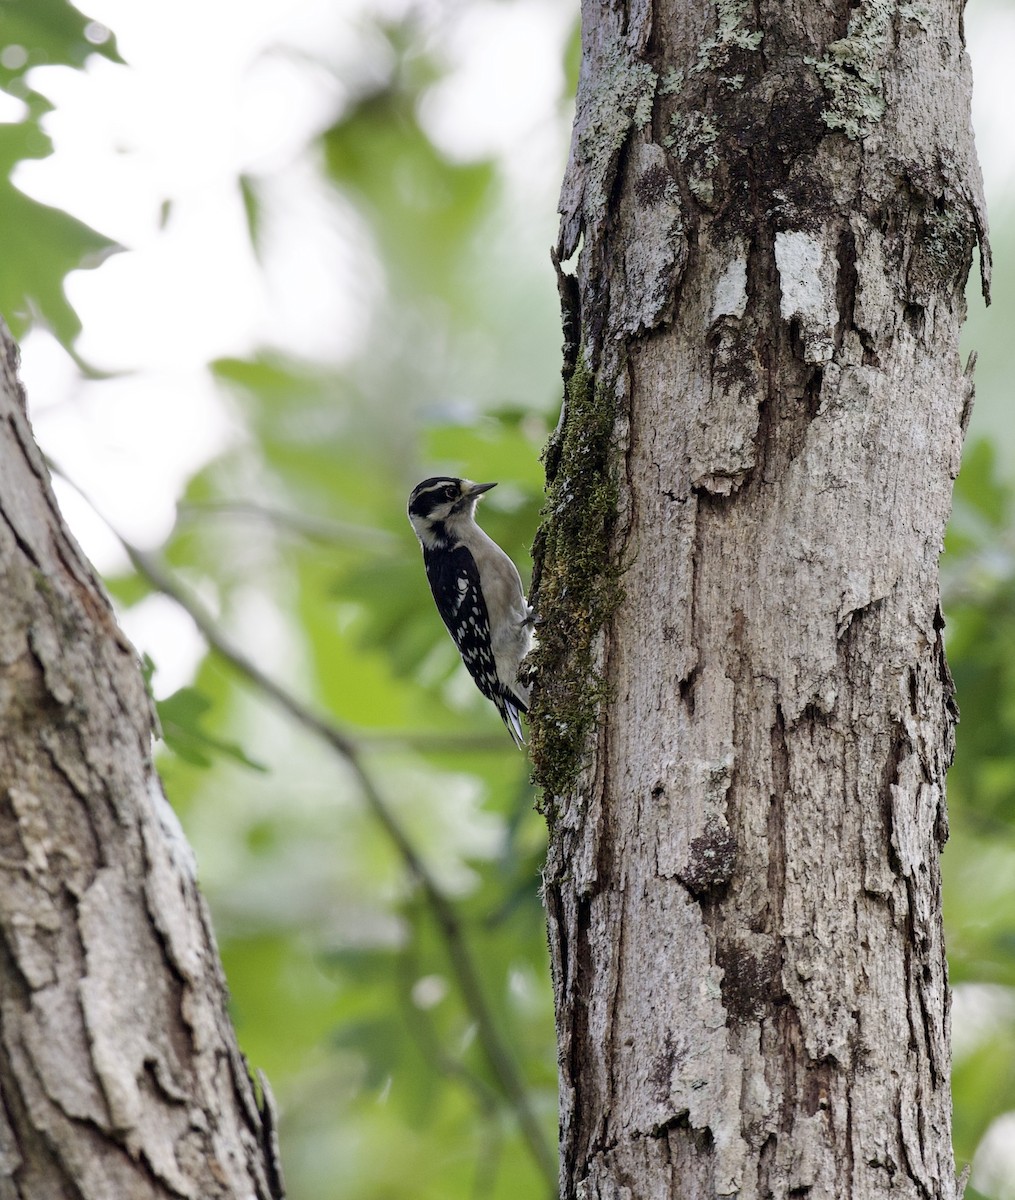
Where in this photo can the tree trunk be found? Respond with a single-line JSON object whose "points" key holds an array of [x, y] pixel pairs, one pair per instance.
{"points": [[743, 714], [119, 1070]]}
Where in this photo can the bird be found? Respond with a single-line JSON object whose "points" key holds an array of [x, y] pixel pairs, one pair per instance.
{"points": [[478, 591]]}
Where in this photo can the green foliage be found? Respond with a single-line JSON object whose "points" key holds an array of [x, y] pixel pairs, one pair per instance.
{"points": [[181, 719], [424, 209], [49, 32], [49, 245], [978, 576], [43, 244]]}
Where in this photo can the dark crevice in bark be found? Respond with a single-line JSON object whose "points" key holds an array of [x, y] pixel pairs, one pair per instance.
{"points": [[819, 1082], [914, 1171], [613, 1050], [777, 819], [915, 316], [16, 988], [577, 989], [680, 1120], [787, 1058], [847, 1162], [900, 747], [570, 322], [928, 1020], [796, 338], [22, 543], [845, 289], [791, 388], [909, 967], [685, 688], [850, 627], [766, 1161], [812, 393], [944, 676]]}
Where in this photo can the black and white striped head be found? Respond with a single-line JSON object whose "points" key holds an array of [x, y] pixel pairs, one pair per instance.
{"points": [[440, 508]]}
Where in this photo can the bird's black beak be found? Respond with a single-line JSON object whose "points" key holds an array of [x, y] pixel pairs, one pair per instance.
{"points": [[477, 489]]}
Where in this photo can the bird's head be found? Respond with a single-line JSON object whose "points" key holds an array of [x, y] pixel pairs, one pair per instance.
{"points": [[441, 506]]}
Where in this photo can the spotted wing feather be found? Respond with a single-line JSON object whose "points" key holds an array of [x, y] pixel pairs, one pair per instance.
{"points": [[454, 581]]}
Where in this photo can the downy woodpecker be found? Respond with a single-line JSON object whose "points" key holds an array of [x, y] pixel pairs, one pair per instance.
{"points": [[477, 589]]}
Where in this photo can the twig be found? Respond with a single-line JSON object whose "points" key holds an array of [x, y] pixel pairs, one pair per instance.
{"points": [[419, 1023], [488, 1158], [441, 743], [318, 529]]}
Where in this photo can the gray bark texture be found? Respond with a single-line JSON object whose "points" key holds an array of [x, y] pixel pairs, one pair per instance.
{"points": [[120, 1078], [743, 714]]}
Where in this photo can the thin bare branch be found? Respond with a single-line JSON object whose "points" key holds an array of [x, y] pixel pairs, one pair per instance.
{"points": [[318, 529]]}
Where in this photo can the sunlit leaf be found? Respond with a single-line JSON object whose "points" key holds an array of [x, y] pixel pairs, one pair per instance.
{"points": [[42, 247], [181, 717], [50, 31]]}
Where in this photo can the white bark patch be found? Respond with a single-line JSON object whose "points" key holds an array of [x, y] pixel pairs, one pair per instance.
{"points": [[731, 291], [807, 277]]}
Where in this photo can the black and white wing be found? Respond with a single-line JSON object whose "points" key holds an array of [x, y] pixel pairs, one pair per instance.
{"points": [[454, 581]]}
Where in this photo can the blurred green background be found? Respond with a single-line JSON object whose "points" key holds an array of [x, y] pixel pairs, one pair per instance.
{"points": [[271, 264]]}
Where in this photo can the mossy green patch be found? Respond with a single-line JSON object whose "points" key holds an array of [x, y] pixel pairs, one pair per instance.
{"points": [[578, 581]]}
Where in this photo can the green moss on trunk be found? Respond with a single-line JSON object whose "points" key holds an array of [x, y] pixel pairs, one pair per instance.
{"points": [[579, 584]]}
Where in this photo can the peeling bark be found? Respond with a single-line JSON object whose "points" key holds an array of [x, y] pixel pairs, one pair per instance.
{"points": [[777, 207], [119, 1071]]}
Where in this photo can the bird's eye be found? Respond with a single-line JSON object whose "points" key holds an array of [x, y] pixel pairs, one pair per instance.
{"points": [[451, 492]]}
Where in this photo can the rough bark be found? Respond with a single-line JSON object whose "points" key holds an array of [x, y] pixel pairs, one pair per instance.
{"points": [[119, 1070], [743, 714]]}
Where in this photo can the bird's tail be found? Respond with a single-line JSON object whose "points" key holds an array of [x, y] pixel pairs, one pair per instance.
{"points": [[508, 707]]}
